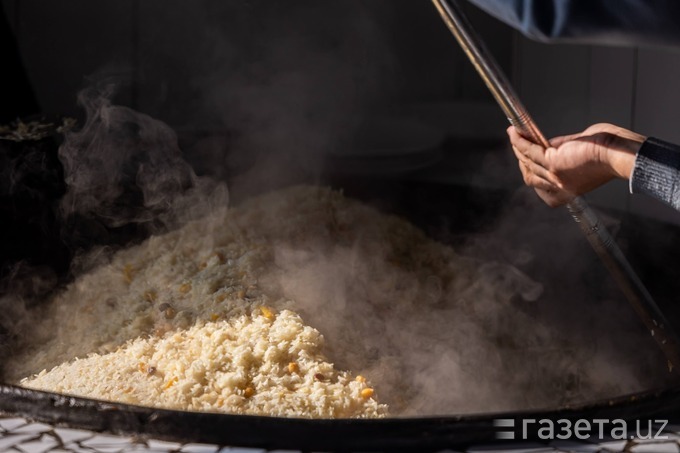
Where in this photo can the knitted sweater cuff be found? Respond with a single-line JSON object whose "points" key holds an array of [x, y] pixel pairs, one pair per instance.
{"points": [[657, 171]]}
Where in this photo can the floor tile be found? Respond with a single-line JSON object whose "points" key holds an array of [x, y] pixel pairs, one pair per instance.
{"points": [[10, 424]]}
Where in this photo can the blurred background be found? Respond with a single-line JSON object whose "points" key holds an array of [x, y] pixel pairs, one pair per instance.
{"points": [[375, 98], [213, 70]]}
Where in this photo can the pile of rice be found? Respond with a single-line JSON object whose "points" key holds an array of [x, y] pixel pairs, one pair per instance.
{"points": [[218, 316], [180, 322], [252, 364]]}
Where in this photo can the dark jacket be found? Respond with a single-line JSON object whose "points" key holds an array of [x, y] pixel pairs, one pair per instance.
{"points": [[614, 22], [657, 171]]}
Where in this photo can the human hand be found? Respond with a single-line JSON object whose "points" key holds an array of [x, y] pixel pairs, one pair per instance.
{"points": [[578, 163]]}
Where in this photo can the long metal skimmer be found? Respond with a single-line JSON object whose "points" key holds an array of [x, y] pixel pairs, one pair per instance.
{"points": [[590, 225]]}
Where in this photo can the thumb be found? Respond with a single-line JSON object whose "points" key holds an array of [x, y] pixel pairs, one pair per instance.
{"points": [[559, 141]]}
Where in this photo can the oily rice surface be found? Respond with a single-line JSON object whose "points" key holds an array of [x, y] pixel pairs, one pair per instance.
{"points": [[423, 330], [257, 364], [209, 270], [187, 306]]}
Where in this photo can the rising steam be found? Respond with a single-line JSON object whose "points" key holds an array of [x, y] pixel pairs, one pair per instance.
{"points": [[123, 167], [499, 329]]}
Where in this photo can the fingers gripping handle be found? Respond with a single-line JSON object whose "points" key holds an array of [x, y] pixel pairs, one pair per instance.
{"points": [[527, 128], [598, 237]]}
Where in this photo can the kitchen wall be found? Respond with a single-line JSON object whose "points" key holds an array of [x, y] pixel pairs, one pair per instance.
{"points": [[164, 47], [165, 44], [64, 42]]}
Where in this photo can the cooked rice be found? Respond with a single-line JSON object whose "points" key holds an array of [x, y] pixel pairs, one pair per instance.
{"points": [[188, 305], [251, 364], [215, 309]]}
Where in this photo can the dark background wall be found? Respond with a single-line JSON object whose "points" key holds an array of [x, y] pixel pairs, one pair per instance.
{"points": [[211, 64], [166, 43]]}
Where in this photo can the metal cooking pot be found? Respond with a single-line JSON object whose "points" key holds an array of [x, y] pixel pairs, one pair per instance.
{"points": [[407, 434], [465, 211]]}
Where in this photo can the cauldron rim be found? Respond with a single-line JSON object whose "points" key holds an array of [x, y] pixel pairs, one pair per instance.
{"points": [[393, 434]]}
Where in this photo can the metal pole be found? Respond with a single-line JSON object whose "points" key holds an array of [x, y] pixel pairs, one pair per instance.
{"points": [[596, 234]]}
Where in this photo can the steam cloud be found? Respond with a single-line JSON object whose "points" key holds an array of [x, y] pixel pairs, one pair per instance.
{"points": [[486, 337], [123, 167], [499, 341]]}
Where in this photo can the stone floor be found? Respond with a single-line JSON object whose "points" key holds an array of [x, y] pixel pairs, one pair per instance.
{"points": [[22, 436]]}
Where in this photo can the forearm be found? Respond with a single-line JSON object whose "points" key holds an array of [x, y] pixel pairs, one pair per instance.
{"points": [[657, 171], [578, 163]]}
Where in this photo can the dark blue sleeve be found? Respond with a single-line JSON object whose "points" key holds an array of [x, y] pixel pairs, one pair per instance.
{"points": [[616, 22], [657, 171]]}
